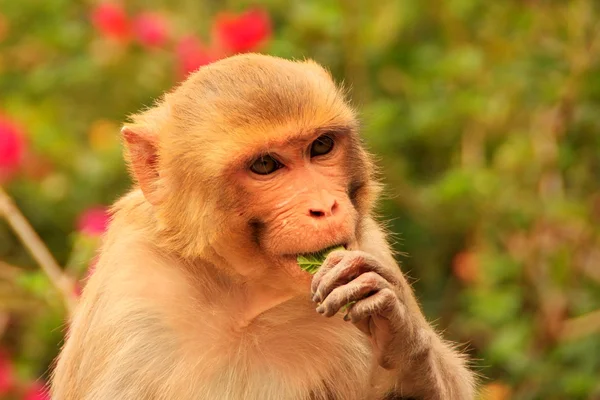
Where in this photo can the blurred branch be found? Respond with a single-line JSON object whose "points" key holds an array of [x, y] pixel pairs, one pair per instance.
{"points": [[16, 298], [585, 325], [37, 249], [8, 271]]}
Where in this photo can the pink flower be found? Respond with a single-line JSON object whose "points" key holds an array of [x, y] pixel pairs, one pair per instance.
{"points": [[111, 20], [7, 376], [37, 391], [192, 54], [151, 29], [242, 33], [77, 289], [466, 266], [12, 148], [93, 221]]}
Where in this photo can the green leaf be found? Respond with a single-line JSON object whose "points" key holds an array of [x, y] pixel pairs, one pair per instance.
{"points": [[312, 261]]}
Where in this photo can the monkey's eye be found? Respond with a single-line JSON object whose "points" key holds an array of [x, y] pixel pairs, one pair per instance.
{"points": [[321, 146], [265, 165]]}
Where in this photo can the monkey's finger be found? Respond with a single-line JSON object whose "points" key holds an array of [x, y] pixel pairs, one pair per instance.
{"points": [[388, 322], [384, 303], [356, 290], [352, 265], [331, 261]]}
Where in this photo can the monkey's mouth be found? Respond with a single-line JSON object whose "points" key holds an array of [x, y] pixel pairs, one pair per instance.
{"points": [[321, 252]]}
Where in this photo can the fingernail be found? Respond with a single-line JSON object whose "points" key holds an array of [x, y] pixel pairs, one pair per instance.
{"points": [[321, 309], [315, 298]]}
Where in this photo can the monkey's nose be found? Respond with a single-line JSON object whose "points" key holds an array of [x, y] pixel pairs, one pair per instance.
{"points": [[325, 206]]}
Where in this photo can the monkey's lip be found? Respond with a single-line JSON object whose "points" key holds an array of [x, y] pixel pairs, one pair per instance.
{"points": [[318, 251]]}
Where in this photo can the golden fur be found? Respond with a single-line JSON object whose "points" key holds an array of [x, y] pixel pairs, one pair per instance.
{"points": [[183, 306]]}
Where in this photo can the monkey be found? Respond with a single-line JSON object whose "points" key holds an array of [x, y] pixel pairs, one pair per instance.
{"points": [[197, 294]]}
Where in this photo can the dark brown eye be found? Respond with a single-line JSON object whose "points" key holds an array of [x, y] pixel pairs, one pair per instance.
{"points": [[265, 165], [321, 146]]}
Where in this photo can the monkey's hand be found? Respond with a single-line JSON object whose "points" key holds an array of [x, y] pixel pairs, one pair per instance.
{"points": [[383, 306], [375, 295]]}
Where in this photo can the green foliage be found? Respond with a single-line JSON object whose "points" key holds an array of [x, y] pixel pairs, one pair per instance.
{"points": [[312, 262], [483, 115]]}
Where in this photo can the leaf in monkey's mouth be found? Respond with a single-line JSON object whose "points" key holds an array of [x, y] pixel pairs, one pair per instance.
{"points": [[311, 262]]}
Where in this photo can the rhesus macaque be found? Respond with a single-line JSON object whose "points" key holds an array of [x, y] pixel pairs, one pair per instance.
{"points": [[197, 294]]}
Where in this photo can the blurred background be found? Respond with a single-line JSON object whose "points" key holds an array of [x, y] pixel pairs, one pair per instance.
{"points": [[485, 118]]}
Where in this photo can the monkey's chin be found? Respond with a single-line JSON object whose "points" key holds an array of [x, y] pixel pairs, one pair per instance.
{"points": [[290, 275]]}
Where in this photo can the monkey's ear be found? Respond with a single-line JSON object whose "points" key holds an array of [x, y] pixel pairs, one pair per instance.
{"points": [[142, 149]]}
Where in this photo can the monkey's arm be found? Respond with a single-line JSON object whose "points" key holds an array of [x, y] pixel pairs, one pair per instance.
{"points": [[385, 309], [118, 358], [120, 343]]}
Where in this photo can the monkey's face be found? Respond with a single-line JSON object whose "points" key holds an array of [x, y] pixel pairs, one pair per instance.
{"points": [[296, 196]]}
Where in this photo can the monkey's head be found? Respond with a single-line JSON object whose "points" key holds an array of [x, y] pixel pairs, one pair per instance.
{"points": [[255, 159]]}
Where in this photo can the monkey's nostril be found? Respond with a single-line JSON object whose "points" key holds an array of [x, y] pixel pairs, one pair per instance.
{"points": [[334, 207], [316, 213]]}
